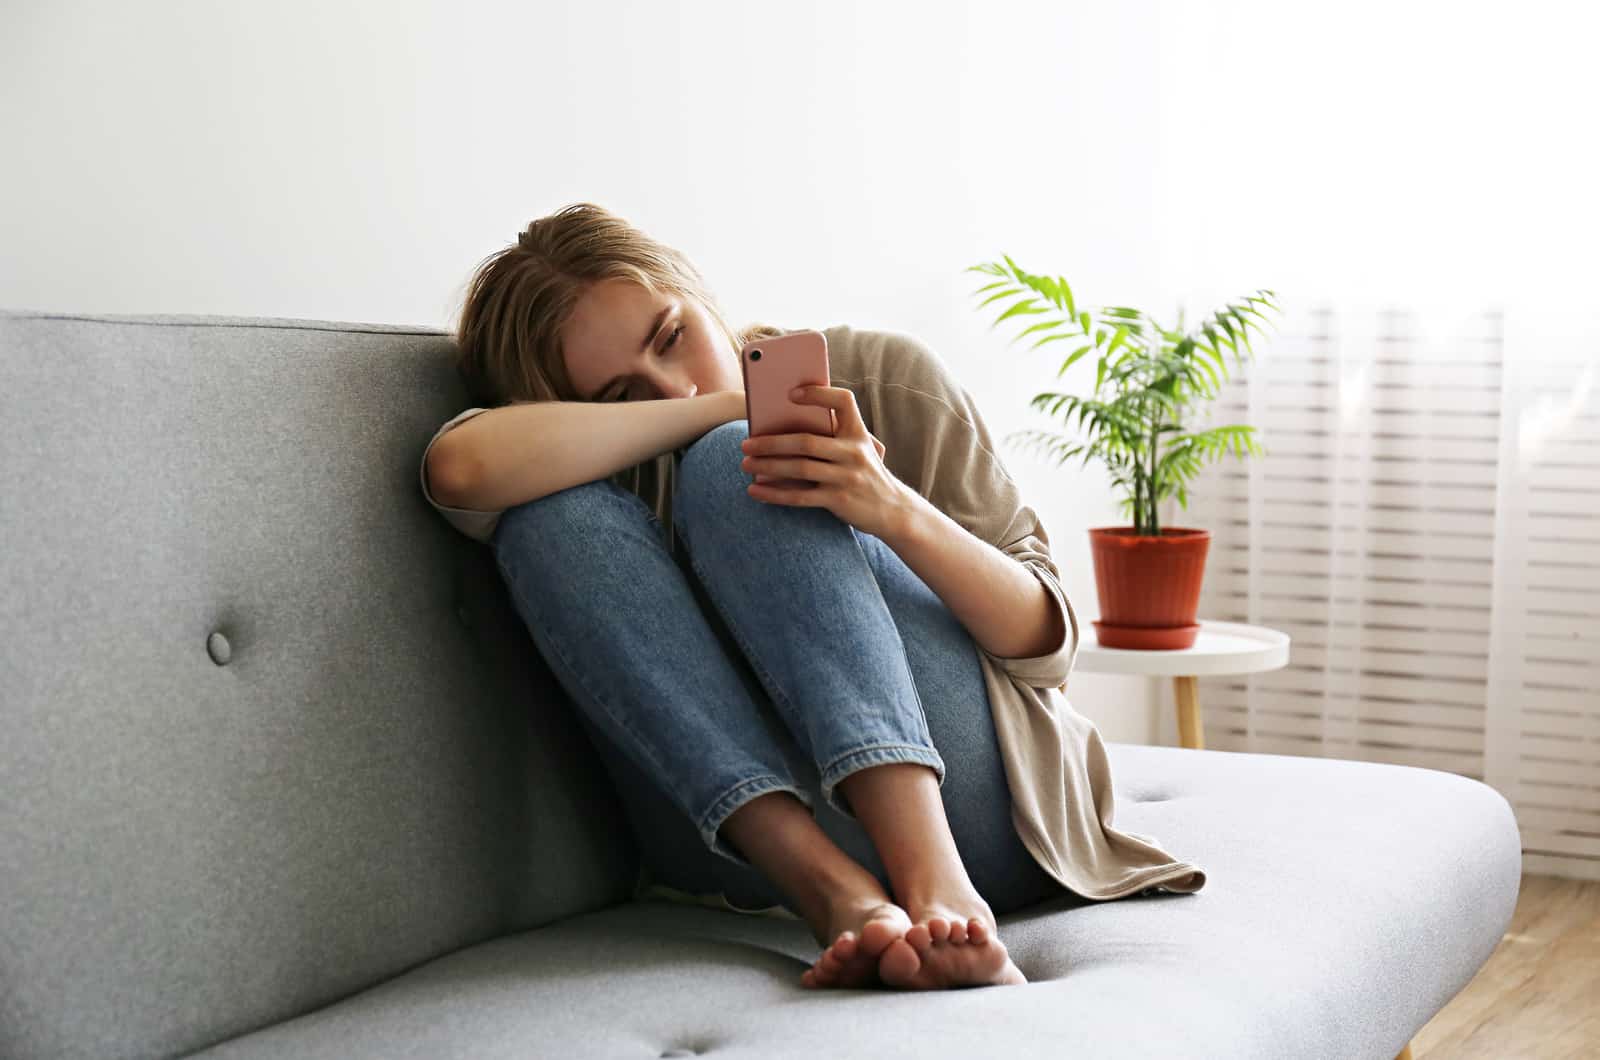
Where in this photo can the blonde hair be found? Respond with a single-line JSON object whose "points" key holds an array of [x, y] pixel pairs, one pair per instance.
{"points": [[508, 339]]}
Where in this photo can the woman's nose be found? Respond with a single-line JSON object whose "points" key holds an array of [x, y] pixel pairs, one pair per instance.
{"points": [[677, 387], [667, 380]]}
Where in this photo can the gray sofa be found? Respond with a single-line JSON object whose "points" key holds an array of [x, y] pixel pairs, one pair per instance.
{"points": [[284, 776]]}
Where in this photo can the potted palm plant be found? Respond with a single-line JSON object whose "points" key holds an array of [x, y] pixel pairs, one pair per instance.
{"points": [[1148, 379]]}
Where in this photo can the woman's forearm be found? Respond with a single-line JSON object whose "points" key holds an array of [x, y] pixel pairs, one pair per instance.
{"points": [[517, 453], [1000, 603]]}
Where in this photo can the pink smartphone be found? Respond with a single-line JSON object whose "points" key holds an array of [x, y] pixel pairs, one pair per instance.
{"points": [[772, 368]]}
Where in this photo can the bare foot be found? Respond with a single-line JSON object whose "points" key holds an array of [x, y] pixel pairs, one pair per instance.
{"points": [[860, 935], [946, 948]]}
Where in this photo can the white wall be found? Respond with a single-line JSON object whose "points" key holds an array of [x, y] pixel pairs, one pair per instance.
{"points": [[821, 162], [1426, 154]]}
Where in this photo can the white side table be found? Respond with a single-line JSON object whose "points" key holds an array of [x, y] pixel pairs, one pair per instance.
{"points": [[1220, 648]]}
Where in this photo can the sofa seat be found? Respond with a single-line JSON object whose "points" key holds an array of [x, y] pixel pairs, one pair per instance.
{"points": [[1346, 903]]}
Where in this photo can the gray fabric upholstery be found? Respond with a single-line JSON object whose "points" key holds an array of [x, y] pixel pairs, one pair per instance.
{"points": [[369, 826], [1349, 903], [382, 772]]}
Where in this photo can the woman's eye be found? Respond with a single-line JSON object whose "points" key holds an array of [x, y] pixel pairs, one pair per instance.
{"points": [[625, 393]]}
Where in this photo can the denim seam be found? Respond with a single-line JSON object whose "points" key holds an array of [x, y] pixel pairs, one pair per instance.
{"points": [[878, 754], [754, 657], [621, 725], [905, 660], [769, 782], [923, 752], [648, 753], [750, 654], [633, 737], [926, 755]]}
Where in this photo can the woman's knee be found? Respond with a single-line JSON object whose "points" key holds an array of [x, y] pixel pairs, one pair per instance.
{"points": [[566, 520], [708, 474], [714, 457]]}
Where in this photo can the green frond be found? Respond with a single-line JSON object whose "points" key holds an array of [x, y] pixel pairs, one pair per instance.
{"points": [[1021, 308], [998, 295], [1043, 325], [1047, 287], [1147, 380], [1052, 338], [1072, 358], [1072, 310]]}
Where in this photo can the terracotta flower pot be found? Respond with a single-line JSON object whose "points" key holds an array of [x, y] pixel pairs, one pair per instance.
{"points": [[1149, 586]]}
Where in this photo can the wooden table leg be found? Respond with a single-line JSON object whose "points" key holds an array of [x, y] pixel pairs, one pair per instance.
{"points": [[1188, 696]]}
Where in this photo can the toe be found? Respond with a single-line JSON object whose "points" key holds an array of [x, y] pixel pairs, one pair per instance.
{"points": [[899, 963], [844, 947], [919, 938], [977, 931], [958, 931], [876, 936], [939, 928]]}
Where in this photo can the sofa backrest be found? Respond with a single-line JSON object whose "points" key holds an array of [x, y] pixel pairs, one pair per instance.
{"points": [[272, 730]]}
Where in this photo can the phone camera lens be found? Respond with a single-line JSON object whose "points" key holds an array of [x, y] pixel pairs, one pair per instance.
{"points": [[755, 355]]}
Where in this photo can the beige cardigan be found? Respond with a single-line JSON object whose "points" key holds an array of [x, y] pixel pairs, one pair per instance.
{"points": [[936, 442]]}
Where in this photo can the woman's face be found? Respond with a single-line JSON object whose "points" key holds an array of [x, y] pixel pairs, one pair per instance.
{"points": [[625, 343]]}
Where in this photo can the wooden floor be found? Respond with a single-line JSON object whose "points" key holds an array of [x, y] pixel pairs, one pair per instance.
{"points": [[1539, 994]]}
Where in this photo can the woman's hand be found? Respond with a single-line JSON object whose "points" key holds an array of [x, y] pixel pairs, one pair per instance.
{"points": [[851, 481]]}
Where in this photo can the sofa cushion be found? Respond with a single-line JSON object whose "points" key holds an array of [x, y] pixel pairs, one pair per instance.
{"points": [[1348, 902], [272, 730]]}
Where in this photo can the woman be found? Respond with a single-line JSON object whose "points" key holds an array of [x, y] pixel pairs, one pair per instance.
{"points": [[776, 678]]}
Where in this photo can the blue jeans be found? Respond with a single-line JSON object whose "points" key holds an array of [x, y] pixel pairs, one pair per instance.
{"points": [[783, 650]]}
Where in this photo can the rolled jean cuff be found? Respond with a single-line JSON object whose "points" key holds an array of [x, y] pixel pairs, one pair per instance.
{"points": [[736, 797], [876, 755]]}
